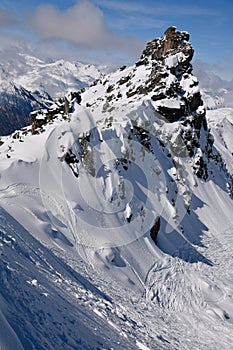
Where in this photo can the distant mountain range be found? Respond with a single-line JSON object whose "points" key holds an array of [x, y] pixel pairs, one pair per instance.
{"points": [[28, 83], [216, 92]]}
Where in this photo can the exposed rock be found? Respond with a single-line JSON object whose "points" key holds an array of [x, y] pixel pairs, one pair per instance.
{"points": [[62, 106], [124, 80], [122, 68], [72, 161], [155, 230], [131, 93], [171, 114], [171, 74], [110, 89], [158, 97]]}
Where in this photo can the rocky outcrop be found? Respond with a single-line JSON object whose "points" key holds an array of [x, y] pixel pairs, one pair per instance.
{"points": [[173, 42], [171, 76], [63, 106], [162, 77], [155, 230], [168, 82]]}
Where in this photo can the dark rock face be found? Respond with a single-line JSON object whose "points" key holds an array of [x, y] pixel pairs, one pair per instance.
{"points": [[72, 161], [173, 42], [155, 230], [170, 56], [174, 39]]}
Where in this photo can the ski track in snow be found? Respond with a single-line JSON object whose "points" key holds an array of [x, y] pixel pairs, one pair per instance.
{"points": [[58, 303], [194, 300]]}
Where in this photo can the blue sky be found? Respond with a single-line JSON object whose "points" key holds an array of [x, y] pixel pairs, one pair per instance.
{"points": [[116, 31]]}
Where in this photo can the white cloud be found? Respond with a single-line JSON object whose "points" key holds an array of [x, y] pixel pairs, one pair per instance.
{"points": [[83, 25], [8, 19]]}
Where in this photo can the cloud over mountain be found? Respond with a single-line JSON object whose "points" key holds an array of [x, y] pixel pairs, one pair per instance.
{"points": [[83, 25]]}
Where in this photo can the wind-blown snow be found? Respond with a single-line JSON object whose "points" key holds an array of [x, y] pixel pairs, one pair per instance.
{"points": [[184, 284]]}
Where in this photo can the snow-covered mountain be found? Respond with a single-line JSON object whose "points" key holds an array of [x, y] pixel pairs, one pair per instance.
{"points": [[116, 208], [28, 83], [55, 77], [216, 92], [16, 103]]}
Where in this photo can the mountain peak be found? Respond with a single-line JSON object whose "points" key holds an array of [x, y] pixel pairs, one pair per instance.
{"points": [[173, 42], [163, 75], [174, 88]]}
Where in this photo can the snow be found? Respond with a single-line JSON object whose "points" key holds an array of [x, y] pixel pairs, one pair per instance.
{"points": [[200, 110], [221, 124], [54, 77], [169, 102], [9, 339], [173, 60], [141, 346], [183, 293], [74, 271]]}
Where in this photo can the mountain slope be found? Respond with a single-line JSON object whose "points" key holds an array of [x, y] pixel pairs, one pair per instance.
{"points": [[116, 204]]}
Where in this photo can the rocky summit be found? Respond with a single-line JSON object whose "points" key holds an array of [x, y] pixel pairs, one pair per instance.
{"points": [[161, 80], [171, 74], [163, 73], [168, 79]]}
